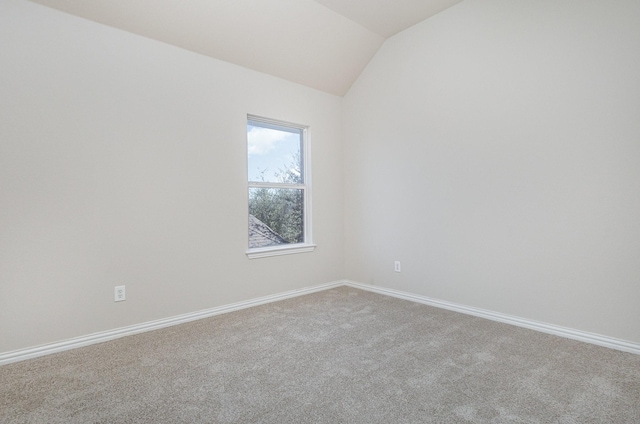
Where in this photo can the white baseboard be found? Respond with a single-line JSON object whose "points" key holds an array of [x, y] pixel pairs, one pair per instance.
{"points": [[596, 339], [557, 330], [103, 336]]}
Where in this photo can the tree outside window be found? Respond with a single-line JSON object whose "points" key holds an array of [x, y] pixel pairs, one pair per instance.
{"points": [[278, 184]]}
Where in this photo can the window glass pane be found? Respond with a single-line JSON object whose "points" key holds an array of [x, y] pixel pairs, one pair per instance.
{"points": [[275, 216], [274, 153]]}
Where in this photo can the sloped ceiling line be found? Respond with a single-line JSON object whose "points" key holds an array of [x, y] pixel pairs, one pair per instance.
{"points": [[323, 44]]}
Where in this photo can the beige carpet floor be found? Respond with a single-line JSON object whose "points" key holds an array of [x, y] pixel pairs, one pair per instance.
{"points": [[337, 356]]}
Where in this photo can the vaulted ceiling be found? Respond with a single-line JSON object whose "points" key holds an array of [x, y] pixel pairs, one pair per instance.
{"points": [[323, 44]]}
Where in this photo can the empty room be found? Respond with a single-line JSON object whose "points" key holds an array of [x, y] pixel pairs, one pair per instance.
{"points": [[326, 211]]}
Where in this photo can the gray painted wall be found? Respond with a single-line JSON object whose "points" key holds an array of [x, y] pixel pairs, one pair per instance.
{"points": [[494, 150], [123, 161]]}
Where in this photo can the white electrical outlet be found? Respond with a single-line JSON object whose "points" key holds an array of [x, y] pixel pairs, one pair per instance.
{"points": [[396, 266], [120, 294]]}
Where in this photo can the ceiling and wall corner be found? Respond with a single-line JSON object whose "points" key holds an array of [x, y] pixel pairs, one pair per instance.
{"points": [[495, 150], [387, 18], [506, 131], [323, 44], [123, 163]]}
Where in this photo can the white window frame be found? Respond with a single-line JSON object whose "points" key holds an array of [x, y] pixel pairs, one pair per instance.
{"points": [[286, 249]]}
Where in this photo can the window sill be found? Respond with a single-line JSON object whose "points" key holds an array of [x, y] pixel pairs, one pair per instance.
{"points": [[265, 252]]}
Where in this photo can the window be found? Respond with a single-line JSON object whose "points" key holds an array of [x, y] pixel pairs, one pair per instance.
{"points": [[278, 188]]}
